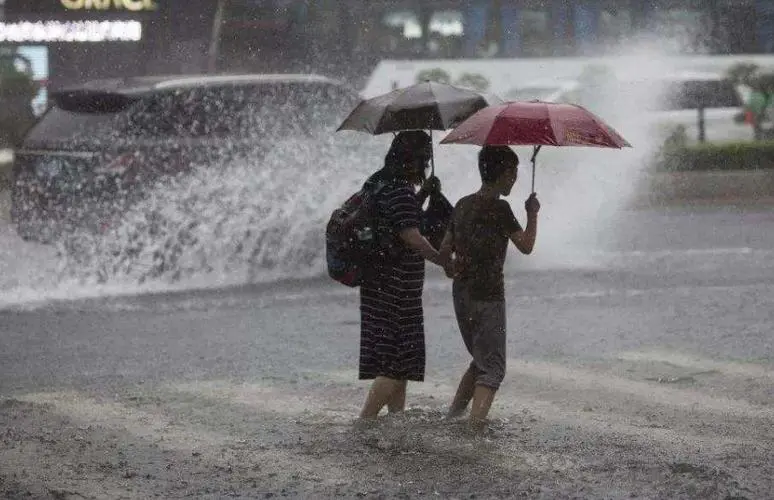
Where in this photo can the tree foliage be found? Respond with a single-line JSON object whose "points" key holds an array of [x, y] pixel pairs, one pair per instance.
{"points": [[433, 75], [473, 81]]}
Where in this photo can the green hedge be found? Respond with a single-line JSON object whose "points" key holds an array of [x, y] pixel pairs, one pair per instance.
{"points": [[756, 155]]}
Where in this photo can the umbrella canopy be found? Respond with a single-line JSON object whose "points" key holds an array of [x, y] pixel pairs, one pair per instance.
{"points": [[424, 106], [535, 123]]}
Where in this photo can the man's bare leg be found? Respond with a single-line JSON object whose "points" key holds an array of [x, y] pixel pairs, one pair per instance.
{"points": [[464, 393], [397, 402], [381, 392], [482, 402]]}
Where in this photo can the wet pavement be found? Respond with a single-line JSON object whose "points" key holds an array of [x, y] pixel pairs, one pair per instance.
{"points": [[640, 369]]}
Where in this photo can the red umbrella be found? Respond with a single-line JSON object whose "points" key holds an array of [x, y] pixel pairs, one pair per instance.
{"points": [[535, 123]]}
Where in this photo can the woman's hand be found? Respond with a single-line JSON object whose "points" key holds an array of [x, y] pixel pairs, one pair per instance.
{"points": [[414, 240], [450, 268], [431, 185]]}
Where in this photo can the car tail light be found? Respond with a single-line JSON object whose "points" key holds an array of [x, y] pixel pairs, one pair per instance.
{"points": [[118, 165]]}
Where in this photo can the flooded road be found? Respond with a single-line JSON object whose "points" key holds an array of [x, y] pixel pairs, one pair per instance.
{"points": [[642, 369]]}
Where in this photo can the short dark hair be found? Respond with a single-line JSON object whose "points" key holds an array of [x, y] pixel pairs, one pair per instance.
{"points": [[494, 161]]}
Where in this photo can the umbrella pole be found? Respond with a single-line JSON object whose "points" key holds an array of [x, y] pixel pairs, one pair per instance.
{"points": [[432, 157], [534, 155]]}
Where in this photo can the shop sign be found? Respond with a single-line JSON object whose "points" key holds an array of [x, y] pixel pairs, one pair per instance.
{"points": [[130, 5], [71, 31]]}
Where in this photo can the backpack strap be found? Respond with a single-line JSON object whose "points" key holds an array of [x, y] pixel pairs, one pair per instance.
{"points": [[374, 187]]}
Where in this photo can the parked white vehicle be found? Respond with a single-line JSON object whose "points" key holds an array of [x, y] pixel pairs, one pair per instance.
{"points": [[549, 90], [664, 101]]}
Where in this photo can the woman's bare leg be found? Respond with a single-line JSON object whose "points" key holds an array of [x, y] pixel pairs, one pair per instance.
{"points": [[397, 402], [380, 394]]}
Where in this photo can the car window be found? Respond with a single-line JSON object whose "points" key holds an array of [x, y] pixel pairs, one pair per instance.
{"points": [[243, 110], [58, 125], [89, 119], [171, 114], [307, 106], [328, 103]]}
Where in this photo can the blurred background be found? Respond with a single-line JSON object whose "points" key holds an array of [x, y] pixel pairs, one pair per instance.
{"points": [[348, 38], [60, 43], [688, 82]]}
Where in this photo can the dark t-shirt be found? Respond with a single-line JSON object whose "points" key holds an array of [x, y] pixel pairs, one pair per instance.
{"points": [[481, 228]]}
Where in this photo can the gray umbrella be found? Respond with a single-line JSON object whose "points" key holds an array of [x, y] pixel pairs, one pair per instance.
{"points": [[424, 106]]}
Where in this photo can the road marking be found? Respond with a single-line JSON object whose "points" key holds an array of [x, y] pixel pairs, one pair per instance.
{"points": [[735, 368], [646, 392], [181, 436]]}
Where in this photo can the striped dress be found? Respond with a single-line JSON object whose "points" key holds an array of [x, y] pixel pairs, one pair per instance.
{"points": [[392, 334]]}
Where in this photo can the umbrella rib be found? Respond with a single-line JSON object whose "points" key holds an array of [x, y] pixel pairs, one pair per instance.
{"points": [[551, 128], [497, 115]]}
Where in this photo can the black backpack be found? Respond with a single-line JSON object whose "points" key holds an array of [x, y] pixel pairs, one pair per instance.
{"points": [[354, 245]]}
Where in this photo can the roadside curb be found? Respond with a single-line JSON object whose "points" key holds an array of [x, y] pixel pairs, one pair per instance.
{"points": [[755, 187]]}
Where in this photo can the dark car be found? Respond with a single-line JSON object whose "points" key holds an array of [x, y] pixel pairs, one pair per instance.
{"points": [[97, 148]]}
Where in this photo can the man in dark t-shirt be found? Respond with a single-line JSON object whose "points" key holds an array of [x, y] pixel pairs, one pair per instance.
{"points": [[481, 227]]}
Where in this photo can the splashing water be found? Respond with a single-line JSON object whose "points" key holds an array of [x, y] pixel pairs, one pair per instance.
{"points": [[262, 220], [245, 221], [584, 190]]}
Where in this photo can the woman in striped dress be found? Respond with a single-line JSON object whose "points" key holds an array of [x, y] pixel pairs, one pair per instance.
{"points": [[392, 337]]}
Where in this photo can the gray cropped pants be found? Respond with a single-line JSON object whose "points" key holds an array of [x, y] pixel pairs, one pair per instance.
{"points": [[482, 325]]}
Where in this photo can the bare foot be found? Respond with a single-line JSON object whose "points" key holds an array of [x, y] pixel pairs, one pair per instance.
{"points": [[479, 427], [455, 413], [364, 423]]}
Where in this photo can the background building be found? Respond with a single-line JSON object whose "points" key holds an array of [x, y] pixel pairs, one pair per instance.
{"points": [[346, 35], [84, 39]]}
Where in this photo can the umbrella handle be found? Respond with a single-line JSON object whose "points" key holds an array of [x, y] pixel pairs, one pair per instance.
{"points": [[534, 155]]}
